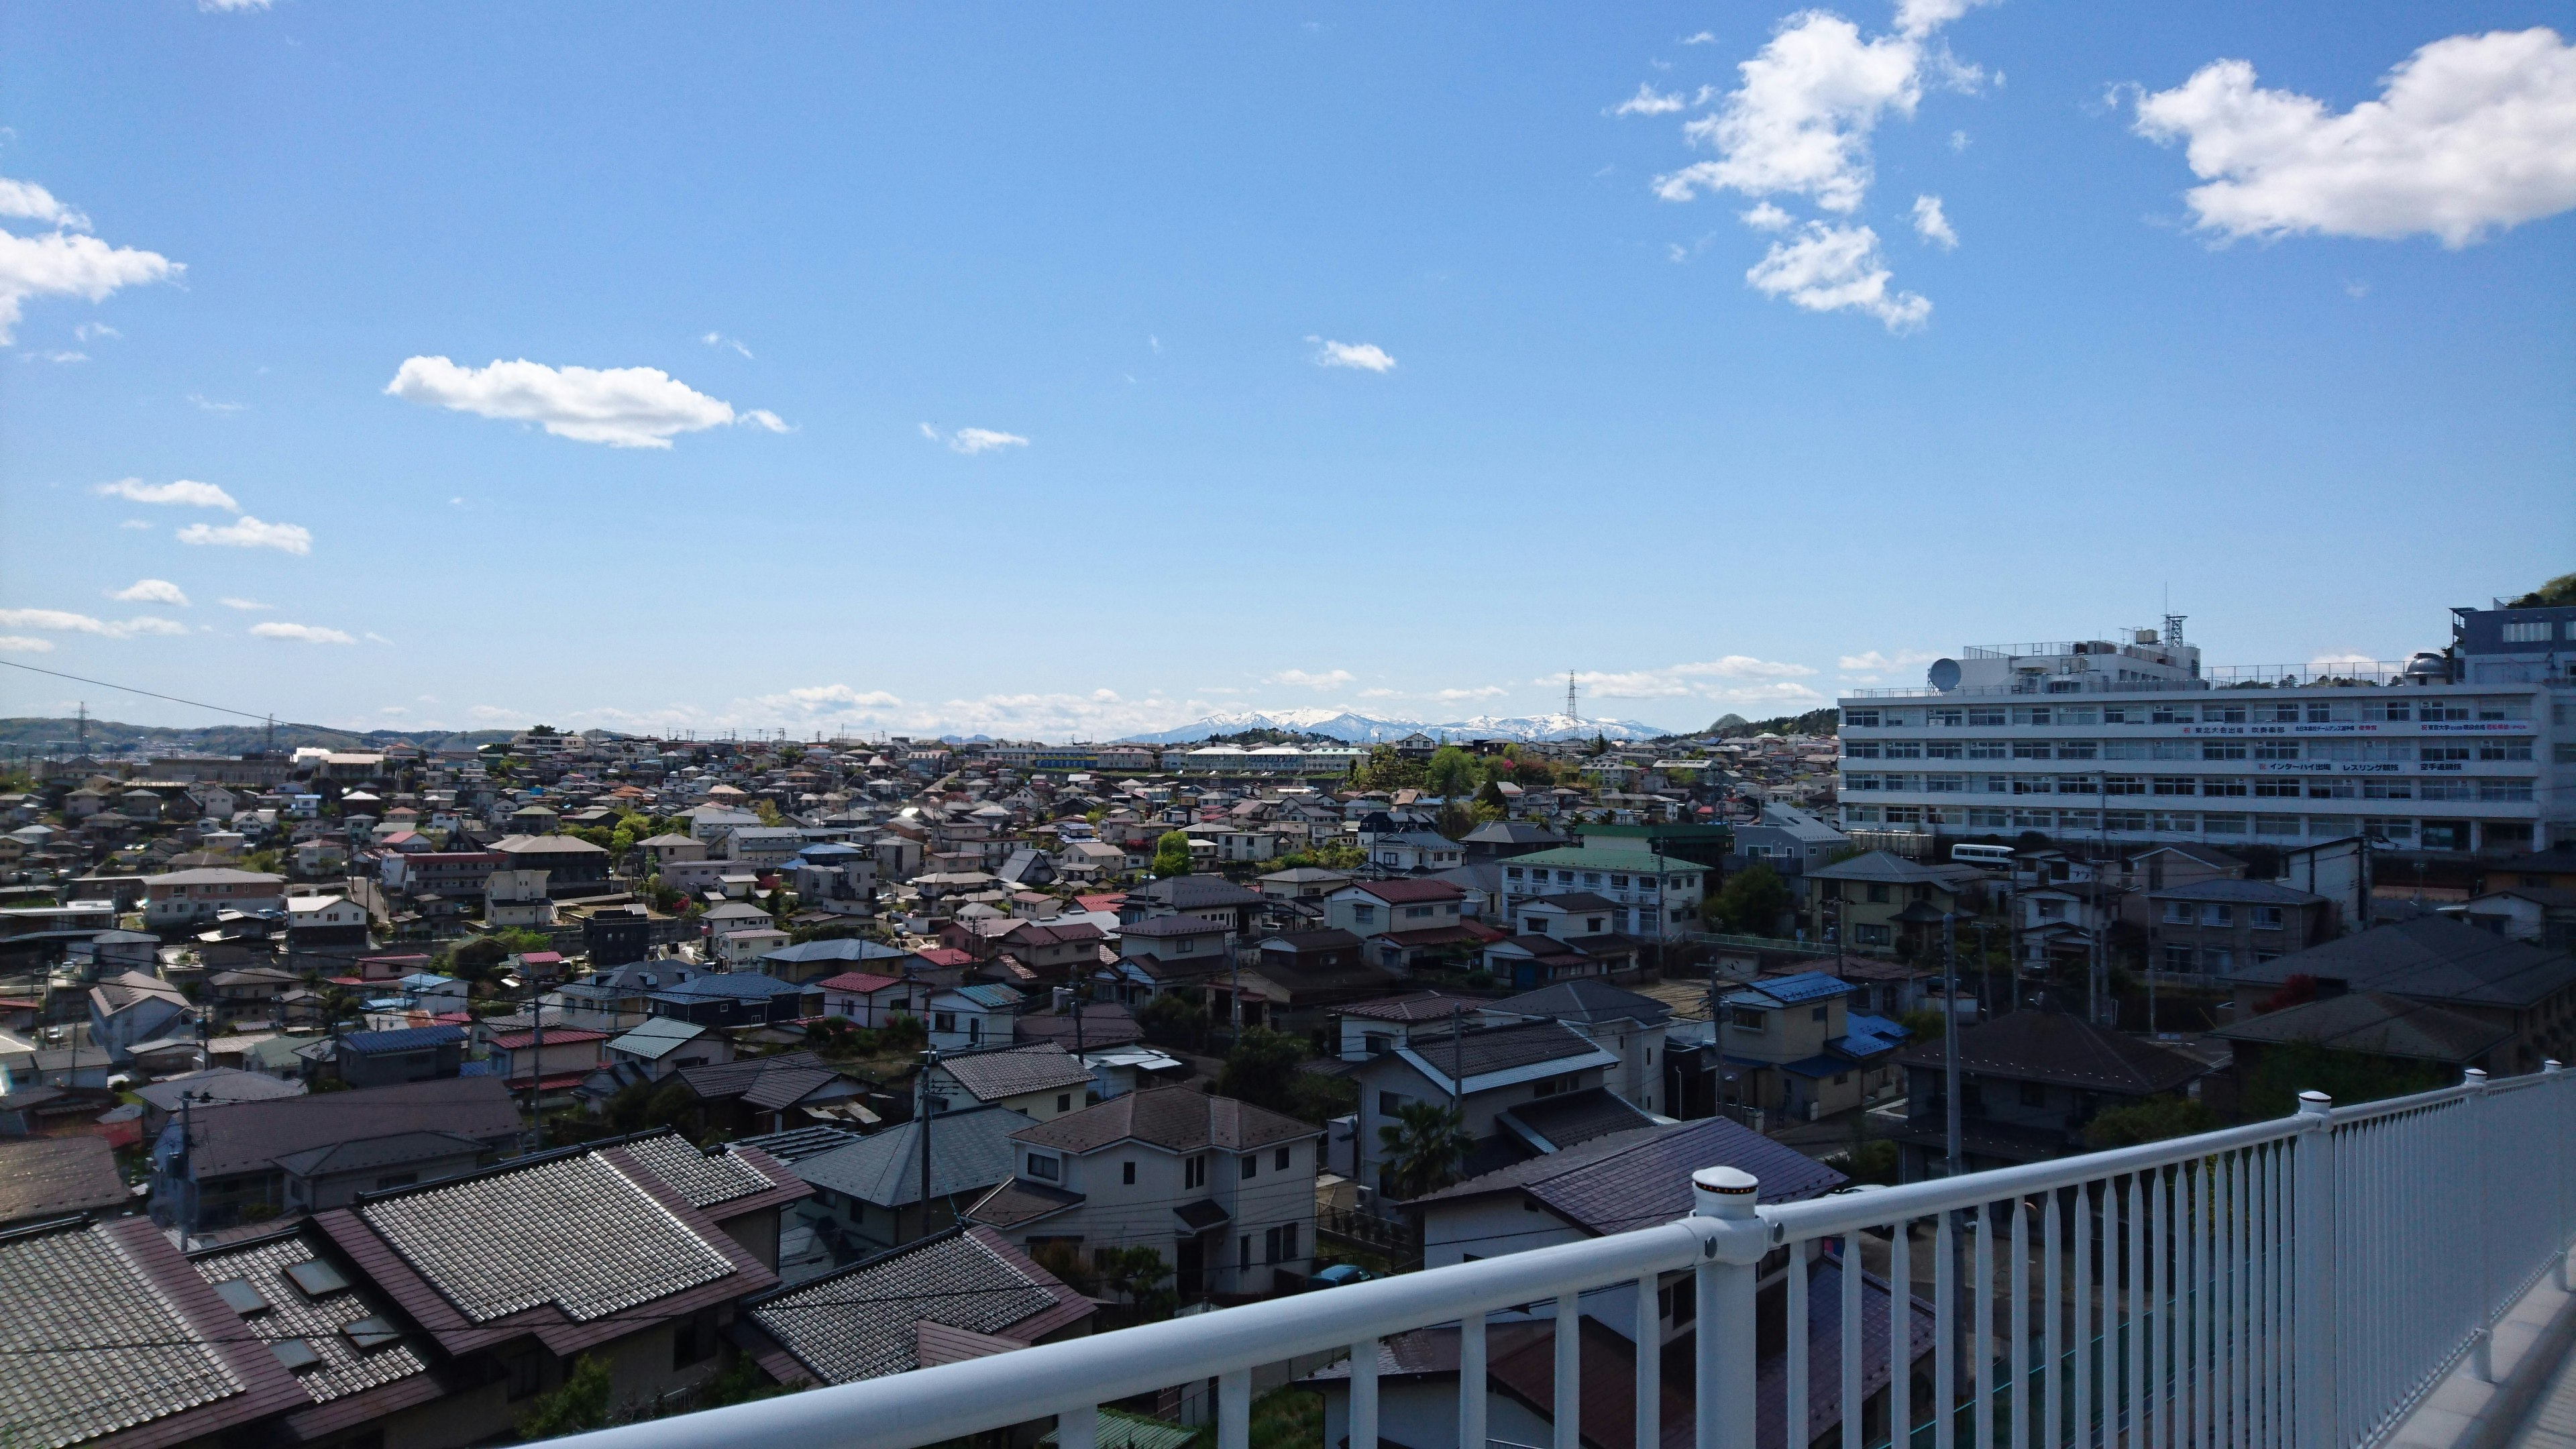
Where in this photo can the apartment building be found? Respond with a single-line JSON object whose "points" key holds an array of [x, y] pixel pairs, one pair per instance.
{"points": [[2131, 741]]}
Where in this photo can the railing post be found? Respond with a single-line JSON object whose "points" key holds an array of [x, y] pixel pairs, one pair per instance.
{"points": [[2481, 1271], [1726, 1278], [2563, 1177], [2319, 1406], [1074, 1428], [1234, 1409]]}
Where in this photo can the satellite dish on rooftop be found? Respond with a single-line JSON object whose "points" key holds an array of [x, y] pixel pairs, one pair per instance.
{"points": [[1943, 675]]}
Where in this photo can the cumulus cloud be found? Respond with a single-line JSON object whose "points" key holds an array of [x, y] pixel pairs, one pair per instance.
{"points": [[828, 699], [1650, 102], [971, 441], [25, 644], [1365, 356], [249, 532], [2472, 134], [1766, 217], [1730, 677], [181, 493], [1874, 660], [1931, 225], [1918, 18], [1800, 124], [244, 604], [719, 340], [63, 621], [1834, 269], [151, 591], [623, 407], [1705, 37], [1329, 679], [63, 262], [301, 633]]}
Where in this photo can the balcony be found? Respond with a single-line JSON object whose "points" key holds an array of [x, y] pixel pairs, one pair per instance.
{"points": [[2345, 1276]]}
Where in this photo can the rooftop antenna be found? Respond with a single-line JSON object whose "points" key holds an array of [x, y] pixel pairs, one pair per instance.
{"points": [[80, 728]]}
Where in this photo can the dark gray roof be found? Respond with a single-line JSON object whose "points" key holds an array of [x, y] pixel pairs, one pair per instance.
{"points": [[2433, 958], [1413, 1006], [1009, 1071], [408, 1039], [1584, 999], [2239, 892], [1178, 1119], [863, 1322], [249, 1135], [1888, 868], [395, 1149], [969, 1152], [345, 1367], [778, 1081], [1511, 832], [1019, 1201], [1173, 926], [574, 1232], [43, 1177], [1553, 1124], [1196, 892], [2377, 1023], [841, 949], [1629, 1179], [225, 1084], [1483, 1051], [2034, 1045], [798, 1143]]}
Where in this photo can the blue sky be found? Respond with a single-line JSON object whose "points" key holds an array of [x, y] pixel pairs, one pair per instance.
{"points": [[1042, 371]]}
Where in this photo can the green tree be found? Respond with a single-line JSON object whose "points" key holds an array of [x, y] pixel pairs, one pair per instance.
{"points": [[2557, 593], [2152, 1120], [1317, 1098], [1752, 900], [1262, 1068], [580, 1403], [1451, 772], [768, 812], [2273, 1088], [1426, 1144], [1491, 798], [1172, 853], [1137, 1275]]}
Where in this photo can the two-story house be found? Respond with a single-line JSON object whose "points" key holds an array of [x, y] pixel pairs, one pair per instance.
{"points": [[1623, 1023], [962, 1018], [1510, 1083], [1040, 1081], [1224, 1190], [1862, 896], [1799, 1052], [2029, 1082], [1658, 895], [2212, 926], [182, 896]]}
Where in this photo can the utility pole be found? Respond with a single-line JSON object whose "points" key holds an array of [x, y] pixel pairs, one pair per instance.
{"points": [[929, 1059], [1950, 1044]]}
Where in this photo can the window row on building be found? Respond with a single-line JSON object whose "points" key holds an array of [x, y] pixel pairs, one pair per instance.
{"points": [[2216, 825], [2251, 787], [2267, 748], [2408, 710]]}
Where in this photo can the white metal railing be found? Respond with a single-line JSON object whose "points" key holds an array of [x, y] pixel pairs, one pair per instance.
{"points": [[2301, 1282]]}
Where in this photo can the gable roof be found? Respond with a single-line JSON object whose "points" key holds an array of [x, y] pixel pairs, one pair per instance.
{"points": [[2435, 958], [1009, 1071], [1584, 999], [1495, 1056], [1171, 926], [2040, 1045], [1888, 868], [1408, 892], [1178, 1119], [772, 1082], [2378, 1023], [1412, 1006], [1628, 1179], [849, 948], [860, 982], [248, 1135], [1196, 892], [970, 1150], [47, 1176], [961, 1294]]}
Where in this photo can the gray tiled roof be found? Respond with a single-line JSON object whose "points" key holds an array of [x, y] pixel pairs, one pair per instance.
{"points": [[571, 1231], [2036, 1045], [1487, 1050], [393, 1149], [253, 1134], [705, 1179], [2434, 958], [1009, 1071], [1182, 1119], [345, 1368], [858, 1323], [798, 1143], [1629, 1179], [72, 1287], [45, 1176], [1584, 999], [2377, 1023], [1569, 1118], [969, 1151]]}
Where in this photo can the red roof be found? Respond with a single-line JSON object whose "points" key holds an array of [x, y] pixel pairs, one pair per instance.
{"points": [[1106, 901], [1407, 892], [945, 956], [550, 1084], [860, 981], [560, 1036], [542, 958]]}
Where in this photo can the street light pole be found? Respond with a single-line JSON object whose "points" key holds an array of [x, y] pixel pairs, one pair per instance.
{"points": [[1950, 1045]]}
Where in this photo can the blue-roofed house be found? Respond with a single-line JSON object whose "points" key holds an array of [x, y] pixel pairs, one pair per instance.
{"points": [[389, 1058], [973, 1016], [1793, 1051], [429, 991], [736, 998]]}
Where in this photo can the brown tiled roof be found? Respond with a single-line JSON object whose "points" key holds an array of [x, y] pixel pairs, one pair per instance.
{"points": [[1180, 1119], [2036, 1045], [42, 1177]]}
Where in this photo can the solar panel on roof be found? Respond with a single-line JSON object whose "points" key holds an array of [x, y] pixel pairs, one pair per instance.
{"points": [[296, 1354], [240, 1297], [371, 1333], [316, 1279]]}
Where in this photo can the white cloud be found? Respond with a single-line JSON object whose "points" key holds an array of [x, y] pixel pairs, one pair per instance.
{"points": [[25, 644], [1800, 123], [244, 604], [1460, 696], [718, 339], [1365, 356], [59, 355], [1875, 660], [2472, 134], [1931, 225], [92, 331], [971, 441], [151, 591], [135, 523], [1650, 102], [63, 621], [1922, 17], [301, 633], [1705, 37], [829, 698], [1766, 217], [1714, 679], [1833, 269], [624, 407], [209, 405], [180, 493], [1328, 680], [231, 7], [64, 262], [27, 201], [249, 532]]}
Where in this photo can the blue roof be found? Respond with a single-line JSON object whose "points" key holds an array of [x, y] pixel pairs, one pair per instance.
{"points": [[828, 847], [743, 985], [849, 948], [1804, 986], [1821, 1066], [424, 981], [409, 1039], [1862, 1024], [999, 998], [1866, 1044]]}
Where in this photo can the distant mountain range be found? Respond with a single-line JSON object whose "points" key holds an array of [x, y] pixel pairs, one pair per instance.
{"points": [[107, 736], [1361, 729]]}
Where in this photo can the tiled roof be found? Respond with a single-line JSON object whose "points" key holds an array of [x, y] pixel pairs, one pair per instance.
{"points": [[843, 949], [969, 1152], [555, 1036], [859, 982], [121, 1285], [2034, 1045], [860, 1323], [1631, 862], [394, 1149], [704, 1178], [1629, 1179], [1159, 926], [1104, 1023], [1584, 999], [345, 1368], [45, 1176], [1009, 1071], [2377, 1023], [408, 1039], [1181, 1119], [1018, 1202], [741, 985], [2433, 958], [1485, 1051], [1412, 1006], [253, 1134], [574, 1232], [1409, 892], [1196, 892], [1570, 1118], [798, 1143]]}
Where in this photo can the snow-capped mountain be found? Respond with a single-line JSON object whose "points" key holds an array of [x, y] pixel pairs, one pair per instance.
{"points": [[1360, 729]]}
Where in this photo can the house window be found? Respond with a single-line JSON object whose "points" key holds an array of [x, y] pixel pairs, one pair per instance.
{"points": [[1064, 1101], [2217, 915], [2267, 918], [1243, 1253], [693, 1339], [1279, 1160], [944, 1021], [2033, 1095], [1816, 1014], [2177, 913], [1127, 1173], [1187, 945], [1877, 895], [1045, 1168], [1194, 1171], [2178, 958], [1745, 1018], [1390, 1104], [1377, 1043], [1251, 1165], [527, 1374]]}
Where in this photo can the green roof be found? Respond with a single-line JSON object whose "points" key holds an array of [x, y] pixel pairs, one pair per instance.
{"points": [[1635, 862]]}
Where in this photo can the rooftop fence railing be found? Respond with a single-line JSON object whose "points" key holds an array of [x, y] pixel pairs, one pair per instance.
{"points": [[2302, 1281]]}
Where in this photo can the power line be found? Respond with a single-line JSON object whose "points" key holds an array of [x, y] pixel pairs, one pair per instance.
{"points": [[130, 689]]}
